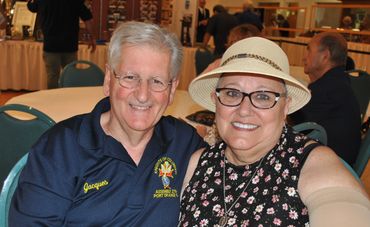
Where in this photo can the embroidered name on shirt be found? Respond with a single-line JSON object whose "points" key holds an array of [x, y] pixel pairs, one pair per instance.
{"points": [[95, 186], [165, 168]]}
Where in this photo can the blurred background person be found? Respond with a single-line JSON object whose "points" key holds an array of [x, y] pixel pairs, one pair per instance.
{"points": [[237, 33], [347, 22], [60, 24], [333, 105], [203, 16], [282, 23], [248, 16], [219, 26]]}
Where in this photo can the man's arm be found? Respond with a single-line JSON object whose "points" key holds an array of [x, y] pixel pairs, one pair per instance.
{"points": [[91, 37]]}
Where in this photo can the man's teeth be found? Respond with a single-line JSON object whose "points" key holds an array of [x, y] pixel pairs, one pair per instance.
{"points": [[244, 126], [140, 107]]}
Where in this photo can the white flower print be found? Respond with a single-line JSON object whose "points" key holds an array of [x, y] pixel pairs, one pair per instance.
{"points": [[257, 217], [205, 203], [244, 194], [293, 215], [231, 221], [285, 206], [259, 208], [196, 213], [229, 198], [277, 221], [265, 191], [218, 181], [277, 166], [216, 208], [209, 170], [233, 176], [275, 198], [245, 210], [292, 159], [217, 174], [210, 191], [250, 200], [291, 191], [267, 178], [203, 222], [270, 210], [255, 180]]}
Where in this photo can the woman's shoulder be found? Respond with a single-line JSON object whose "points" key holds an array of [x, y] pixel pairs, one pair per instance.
{"points": [[324, 169]]}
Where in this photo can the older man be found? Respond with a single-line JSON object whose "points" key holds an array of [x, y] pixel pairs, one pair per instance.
{"points": [[123, 164], [333, 104]]}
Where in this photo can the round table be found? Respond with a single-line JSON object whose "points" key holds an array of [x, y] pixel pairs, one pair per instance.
{"points": [[62, 103]]}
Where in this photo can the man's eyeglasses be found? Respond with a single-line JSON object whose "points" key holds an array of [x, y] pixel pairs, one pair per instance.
{"points": [[259, 99], [132, 80]]}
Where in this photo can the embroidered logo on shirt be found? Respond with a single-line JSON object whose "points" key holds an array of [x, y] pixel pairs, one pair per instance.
{"points": [[95, 186], [165, 168]]}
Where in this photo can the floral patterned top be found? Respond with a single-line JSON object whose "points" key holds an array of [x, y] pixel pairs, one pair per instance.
{"points": [[270, 199]]}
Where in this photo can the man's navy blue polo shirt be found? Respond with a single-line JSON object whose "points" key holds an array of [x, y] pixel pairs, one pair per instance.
{"points": [[76, 175]]}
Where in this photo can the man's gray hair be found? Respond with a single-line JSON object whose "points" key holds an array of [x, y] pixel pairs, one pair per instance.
{"points": [[135, 33]]}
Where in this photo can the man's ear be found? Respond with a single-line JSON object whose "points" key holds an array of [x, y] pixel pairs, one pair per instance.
{"points": [[107, 77]]}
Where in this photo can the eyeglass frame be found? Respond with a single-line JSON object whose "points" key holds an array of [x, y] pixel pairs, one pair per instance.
{"points": [[122, 76], [277, 97]]}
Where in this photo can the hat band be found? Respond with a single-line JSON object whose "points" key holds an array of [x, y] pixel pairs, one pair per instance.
{"points": [[255, 56]]}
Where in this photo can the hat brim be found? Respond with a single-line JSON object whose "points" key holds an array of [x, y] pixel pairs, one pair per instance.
{"points": [[201, 87]]}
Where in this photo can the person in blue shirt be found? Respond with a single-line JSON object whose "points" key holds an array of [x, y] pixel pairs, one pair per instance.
{"points": [[123, 164]]}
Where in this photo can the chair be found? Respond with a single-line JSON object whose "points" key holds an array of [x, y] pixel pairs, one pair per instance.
{"points": [[361, 87], [351, 170], [203, 57], [363, 155], [18, 135], [313, 131], [10, 184], [73, 76]]}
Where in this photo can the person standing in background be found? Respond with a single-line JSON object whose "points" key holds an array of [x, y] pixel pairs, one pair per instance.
{"points": [[219, 26], [333, 105], [203, 16], [60, 27], [248, 16]]}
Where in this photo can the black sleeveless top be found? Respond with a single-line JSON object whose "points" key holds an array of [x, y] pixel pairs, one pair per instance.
{"points": [[270, 199]]}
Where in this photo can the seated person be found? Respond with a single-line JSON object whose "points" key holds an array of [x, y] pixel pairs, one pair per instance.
{"points": [[123, 164], [262, 172], [333, 105]]}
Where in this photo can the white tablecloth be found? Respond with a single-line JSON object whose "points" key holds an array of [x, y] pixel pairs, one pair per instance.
{"points": [[62, 103], [22, 67]]}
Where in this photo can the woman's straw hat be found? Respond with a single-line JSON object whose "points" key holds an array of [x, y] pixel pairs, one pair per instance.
{"points": [[251, 55]]}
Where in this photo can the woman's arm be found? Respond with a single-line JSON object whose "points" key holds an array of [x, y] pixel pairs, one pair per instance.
{"points": [[191, 168], [330, 192]]}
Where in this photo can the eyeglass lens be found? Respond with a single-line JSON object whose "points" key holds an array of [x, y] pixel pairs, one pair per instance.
{"points": [[259, 99]]}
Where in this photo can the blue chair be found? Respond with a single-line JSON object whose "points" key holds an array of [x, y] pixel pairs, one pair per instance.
{"points": [[361, 87], [363, 155], [18, 135], [203, 57], [81, 74], [313, 131], [351, 170], [10, 184]]}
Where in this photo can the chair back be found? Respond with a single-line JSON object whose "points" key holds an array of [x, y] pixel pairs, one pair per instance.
{"points": [[18, 135], [351, 170], [203, 57], [363, 155], [10, 184], [74, 75], [361, 87], [312, 130]]}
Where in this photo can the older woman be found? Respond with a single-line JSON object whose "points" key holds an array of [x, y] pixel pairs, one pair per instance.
{"points": [[262, 173]]}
